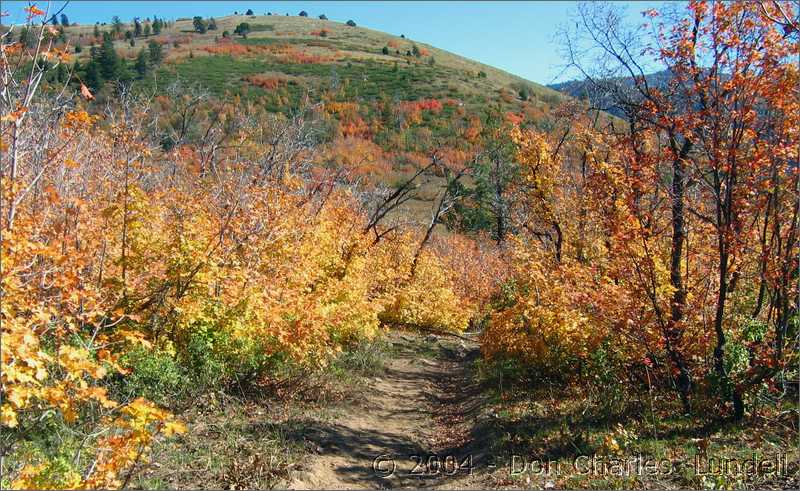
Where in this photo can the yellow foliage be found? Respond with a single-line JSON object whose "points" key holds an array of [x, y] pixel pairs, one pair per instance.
{"points": [[130, 249], [425, 299]]}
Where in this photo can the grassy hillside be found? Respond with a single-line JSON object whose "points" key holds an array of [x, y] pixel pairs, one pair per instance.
{"points": [[311, 52]]}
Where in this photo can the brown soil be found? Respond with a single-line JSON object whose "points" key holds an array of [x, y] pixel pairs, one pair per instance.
{"points": [[410, 419]]}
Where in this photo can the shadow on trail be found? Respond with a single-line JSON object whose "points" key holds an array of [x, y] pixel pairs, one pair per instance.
{"points": [[431, 390], [358, 449]]}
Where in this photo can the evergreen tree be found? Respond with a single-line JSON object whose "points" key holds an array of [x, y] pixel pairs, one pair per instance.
{"points": [[96, 31], [27, 37], [156, 52], [137, 28], [54, 20], [212, 24], [146, 30], [92, 76], [111, 65], [117, 25], [62, 75], [242, 29], [141, 63], [199, 24], [156, 26], [64, 20]]}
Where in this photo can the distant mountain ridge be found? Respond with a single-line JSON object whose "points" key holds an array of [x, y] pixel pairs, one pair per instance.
{"points": [[597, 91]]}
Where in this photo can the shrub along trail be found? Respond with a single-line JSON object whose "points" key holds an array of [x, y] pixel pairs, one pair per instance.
{"points": [[407, 420]]}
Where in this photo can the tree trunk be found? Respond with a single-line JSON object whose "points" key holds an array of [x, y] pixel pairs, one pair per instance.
{"points": [[728, 388], [674, 334]]}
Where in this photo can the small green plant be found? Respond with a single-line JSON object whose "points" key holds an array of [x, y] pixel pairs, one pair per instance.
{"points": [[365, 358], [154, 375]]}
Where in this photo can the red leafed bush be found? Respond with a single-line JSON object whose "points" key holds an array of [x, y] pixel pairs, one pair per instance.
{"points": [[265, 81]]}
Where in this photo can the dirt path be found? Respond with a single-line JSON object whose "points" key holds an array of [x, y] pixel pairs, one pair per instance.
{"points": [[409, 419]]}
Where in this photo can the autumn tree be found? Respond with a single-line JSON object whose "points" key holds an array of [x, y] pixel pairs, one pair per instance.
{"points": [[686, 141]]}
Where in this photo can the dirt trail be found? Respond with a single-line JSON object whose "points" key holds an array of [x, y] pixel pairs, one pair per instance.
{"points": [[408, 416]]}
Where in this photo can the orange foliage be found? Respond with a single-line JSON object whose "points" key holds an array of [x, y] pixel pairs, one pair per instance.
{"points": [[228, 48], [359, 157], [411, 111], [514, 118], [265, 81], [477, 267], [649, 248]]}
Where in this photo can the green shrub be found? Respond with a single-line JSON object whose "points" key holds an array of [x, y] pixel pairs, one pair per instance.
{"points": [[154, 375], [214, 355]]}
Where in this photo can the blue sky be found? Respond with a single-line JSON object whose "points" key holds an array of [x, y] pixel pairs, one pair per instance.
{"points": [[519, 37]]}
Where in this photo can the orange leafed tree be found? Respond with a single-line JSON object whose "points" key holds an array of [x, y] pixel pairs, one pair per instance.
{"points": [[688, 211]]}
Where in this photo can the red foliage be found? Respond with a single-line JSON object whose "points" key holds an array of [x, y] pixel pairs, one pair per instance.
{"points": [[265, 81], [514, 118]]}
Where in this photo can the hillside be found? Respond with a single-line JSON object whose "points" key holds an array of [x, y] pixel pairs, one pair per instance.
{"points": [[311, 53], [398, 97]]}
